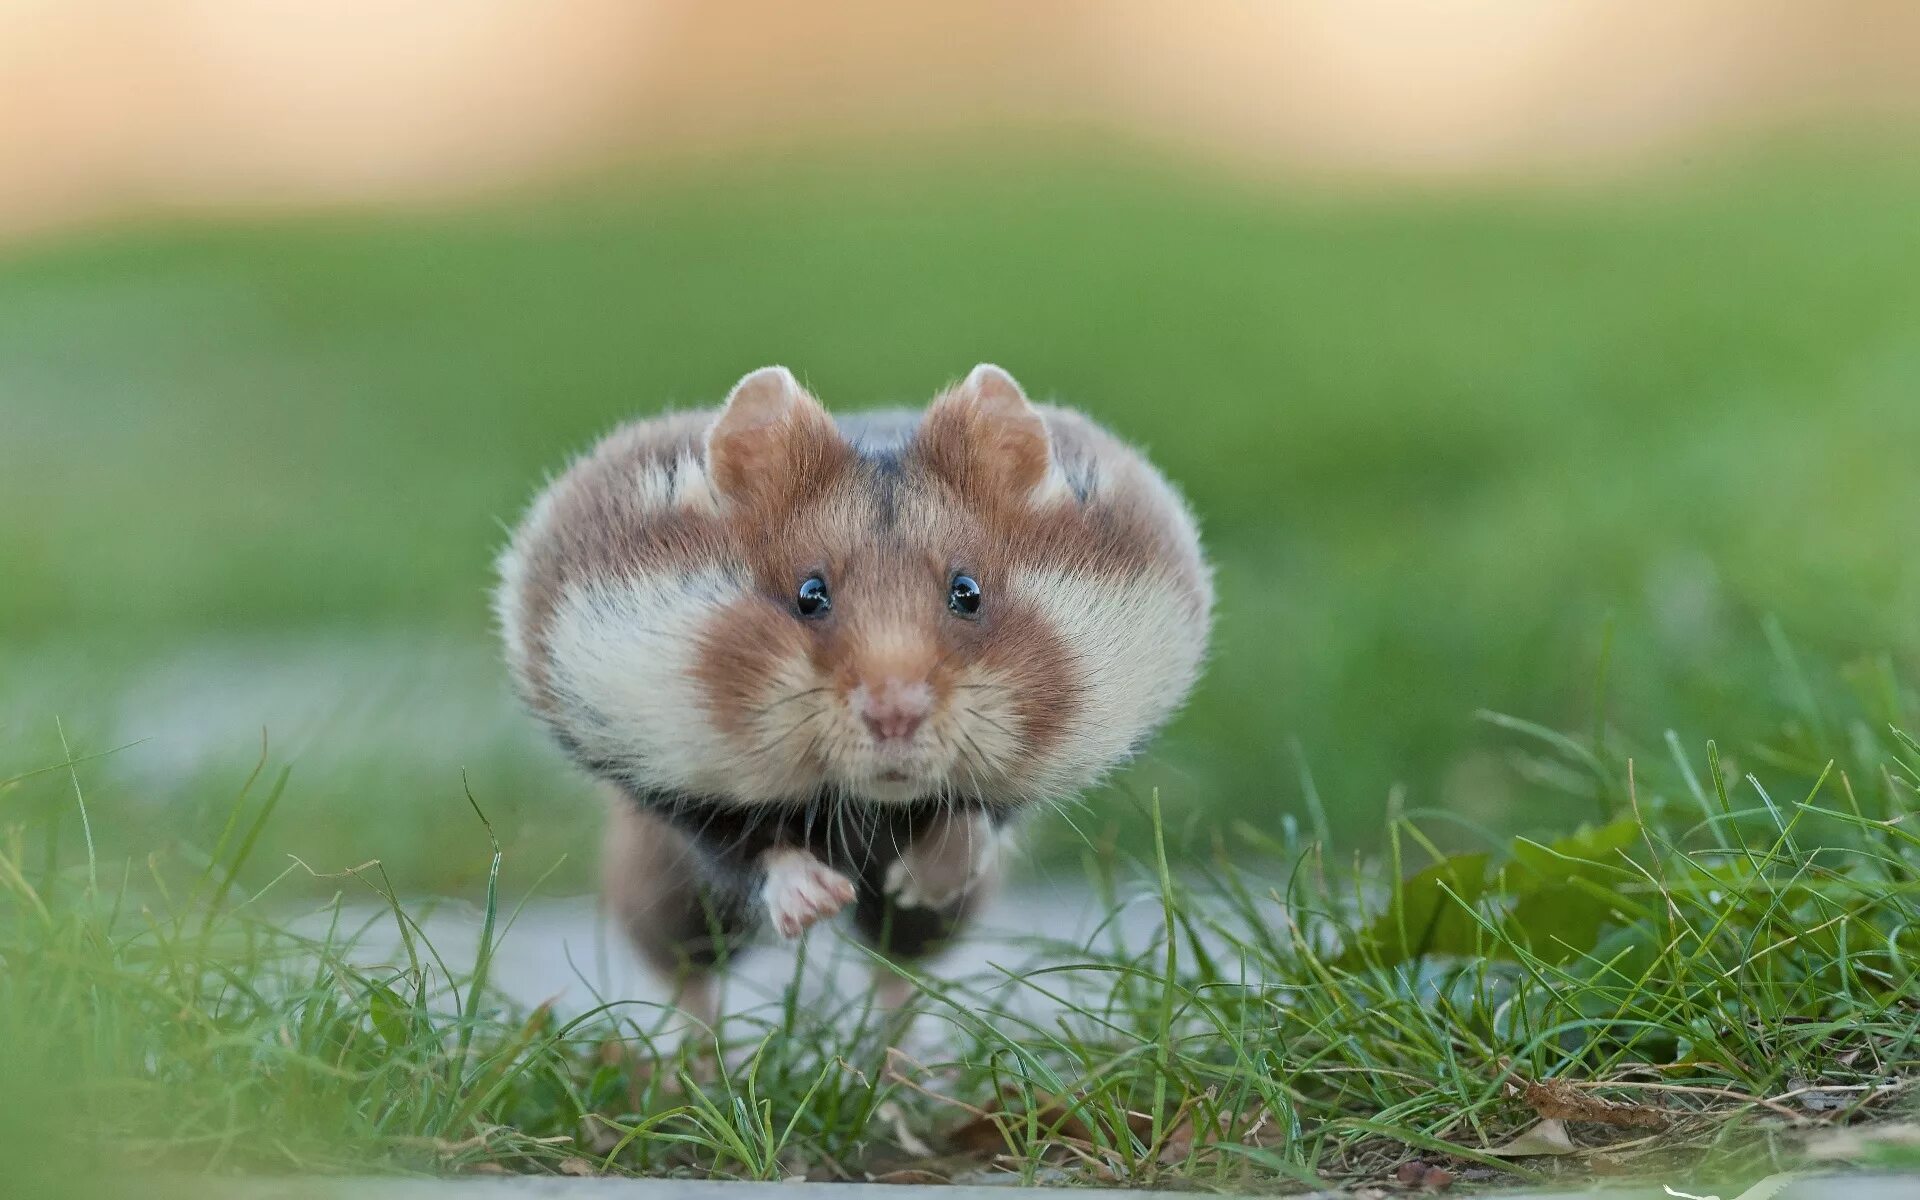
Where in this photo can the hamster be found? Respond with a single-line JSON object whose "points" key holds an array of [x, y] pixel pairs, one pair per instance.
{"points": [[825, 663]]}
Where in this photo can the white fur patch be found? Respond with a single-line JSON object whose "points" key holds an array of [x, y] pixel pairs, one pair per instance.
{"points": [[621, 657], [1053, 487], [1138, 645], [511, 566], [658, 484], [682, 483]]}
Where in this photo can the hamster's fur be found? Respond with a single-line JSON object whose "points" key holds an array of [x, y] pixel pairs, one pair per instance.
{"points": [[823, 664]]}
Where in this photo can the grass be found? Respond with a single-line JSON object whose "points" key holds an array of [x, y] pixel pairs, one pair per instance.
{"points": [[1442, 444], [1700, 984]]}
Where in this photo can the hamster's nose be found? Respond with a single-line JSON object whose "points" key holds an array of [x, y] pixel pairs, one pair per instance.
{"points": [[894, 710]]}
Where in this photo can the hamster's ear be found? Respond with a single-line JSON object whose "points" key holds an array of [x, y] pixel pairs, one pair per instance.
{"points": [[988, 440], [771, 440]]}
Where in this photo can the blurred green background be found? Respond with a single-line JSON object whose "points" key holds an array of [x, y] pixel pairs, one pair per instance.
{"points": [[1448, 447]]}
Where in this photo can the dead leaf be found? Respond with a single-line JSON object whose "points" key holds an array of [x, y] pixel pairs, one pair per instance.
{"points": [[1418, 1174], [982, 1135], [1548, 1137], [577, 1166], [1559, 1100]]}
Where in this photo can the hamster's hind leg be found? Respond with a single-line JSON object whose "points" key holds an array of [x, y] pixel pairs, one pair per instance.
{"points": [[683, 924]]}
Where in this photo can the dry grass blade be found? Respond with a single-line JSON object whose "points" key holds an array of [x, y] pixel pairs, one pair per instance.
{"points": [[1560, 1100]]}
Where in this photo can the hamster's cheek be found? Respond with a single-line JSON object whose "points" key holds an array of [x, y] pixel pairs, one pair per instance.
{"points": [[1135, 642], [1022, 695], [621, 668], [762, 692], [749, 653]]}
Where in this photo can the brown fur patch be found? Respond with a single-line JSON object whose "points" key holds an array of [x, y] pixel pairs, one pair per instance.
{"points": [[1023, 649], [985, 440], [773, 443], [743, 650]]}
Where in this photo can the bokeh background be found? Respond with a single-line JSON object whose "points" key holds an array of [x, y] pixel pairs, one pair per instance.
{"points": [[1560, 360]]}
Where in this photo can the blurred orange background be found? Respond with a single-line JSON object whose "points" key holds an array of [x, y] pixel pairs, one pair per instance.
{"points": [[118, 106]]}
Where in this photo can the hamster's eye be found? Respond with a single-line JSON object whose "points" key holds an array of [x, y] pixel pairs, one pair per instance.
{"points": [[812, 600], [963, 596]]}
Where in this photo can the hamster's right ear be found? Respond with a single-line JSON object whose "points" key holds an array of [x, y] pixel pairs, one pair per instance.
{"points": [[986, 438], [771, 440]]}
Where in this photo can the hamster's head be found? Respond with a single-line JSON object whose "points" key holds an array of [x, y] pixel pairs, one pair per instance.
{"points": [[999, 604]]}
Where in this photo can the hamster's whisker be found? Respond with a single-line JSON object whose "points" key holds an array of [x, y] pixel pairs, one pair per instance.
{"points": [[707, 824], [783, 734], [869, 834], [985, 767], [976, 712], [842, 811], [768, 707], [777, 736], [967, 743], [812, 752], [947, 828]]}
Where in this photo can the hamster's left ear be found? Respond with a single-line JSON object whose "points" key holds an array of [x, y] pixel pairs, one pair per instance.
{"points": [[988, 440]]}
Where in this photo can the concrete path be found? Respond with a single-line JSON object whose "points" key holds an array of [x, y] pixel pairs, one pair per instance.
{"points": [[560, 951]]}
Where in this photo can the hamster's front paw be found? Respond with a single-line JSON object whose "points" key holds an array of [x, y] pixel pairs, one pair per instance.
{"points": [[801, 890], [941, 866]]}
